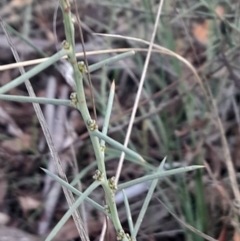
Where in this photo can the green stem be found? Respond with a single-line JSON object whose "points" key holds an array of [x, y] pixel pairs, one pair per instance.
{"points": [[82, 107], [40, 100]]}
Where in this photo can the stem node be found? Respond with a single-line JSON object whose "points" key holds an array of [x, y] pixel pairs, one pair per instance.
{"points": [[66, 45], [74, 99], [98, 175], [112, 184], [120, 235], [92, 125], [82, 67]]}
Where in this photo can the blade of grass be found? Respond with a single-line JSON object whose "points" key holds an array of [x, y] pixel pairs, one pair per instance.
{"points": [[186, 205], [191, 228]]}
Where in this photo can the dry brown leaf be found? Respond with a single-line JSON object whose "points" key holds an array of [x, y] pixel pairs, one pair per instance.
{"points": [[4, 219], [28, 203], [236, 236], [26, 141], [20, 3], [201, 31], [18, 144]]}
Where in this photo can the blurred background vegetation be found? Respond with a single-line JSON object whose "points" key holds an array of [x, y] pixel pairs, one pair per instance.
{"points": [[173, 119]]}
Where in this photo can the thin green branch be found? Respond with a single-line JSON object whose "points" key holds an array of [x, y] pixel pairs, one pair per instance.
{"points": [[68, 214], [81, 105], [39, 100], [70, 46], [118, 57], [117, 145], [108, 113], [158, 175], [33, 71], [128, 211], [147, 200], [81, 100], [75, 191]]}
